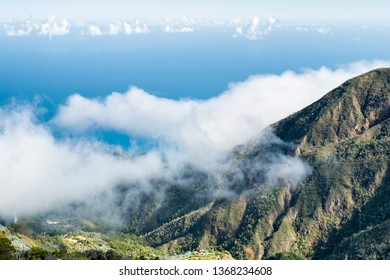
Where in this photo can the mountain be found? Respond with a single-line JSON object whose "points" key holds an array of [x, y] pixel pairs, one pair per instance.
{"points": [[314, 185], [341, 210]]}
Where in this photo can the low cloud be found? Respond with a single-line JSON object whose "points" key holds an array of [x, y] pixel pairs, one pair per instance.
{"points": [[172, 29], [16, 31], [263, 163], [204, 129], [184, 25], [324, 30], [39, 172], [94, 30], [55, 27], [257, 29], [50, 27], [114, 28], [127, 29]]}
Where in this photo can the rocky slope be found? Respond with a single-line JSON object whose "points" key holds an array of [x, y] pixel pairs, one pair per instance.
{"points": [[344, 137]]}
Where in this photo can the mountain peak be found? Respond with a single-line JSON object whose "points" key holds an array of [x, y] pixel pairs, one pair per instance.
{"points": [[352, 108]]}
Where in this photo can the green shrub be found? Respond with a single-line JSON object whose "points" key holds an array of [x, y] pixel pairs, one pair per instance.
{"points": [[285, 256], [36, 253], [6, 249]]}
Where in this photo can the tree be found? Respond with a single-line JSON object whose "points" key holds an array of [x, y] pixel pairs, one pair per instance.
{"points": [[6, 249], [36, 253]]}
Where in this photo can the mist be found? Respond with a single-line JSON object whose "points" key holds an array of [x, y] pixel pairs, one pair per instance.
{"points": [[41, 171]]}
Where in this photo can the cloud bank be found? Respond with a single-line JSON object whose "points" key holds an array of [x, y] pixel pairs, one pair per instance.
{"points": [[40, 170], [184, 25], [207, 128], [55, 27], [256, 29], [51, 27]]}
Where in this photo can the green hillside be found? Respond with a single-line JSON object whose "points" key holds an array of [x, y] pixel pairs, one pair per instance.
{"points": [[344, 137]]}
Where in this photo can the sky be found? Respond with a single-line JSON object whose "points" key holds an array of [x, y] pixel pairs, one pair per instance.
{"points": [[284, 9]]}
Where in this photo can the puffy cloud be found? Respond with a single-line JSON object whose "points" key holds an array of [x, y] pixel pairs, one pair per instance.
{"points": [[39, 172], [256, 30], [206, 129], [171, 29], [299, 28], [252, 28], [187, 22], [312, 27], [141, 28], [21, 29], [324, 30], [137, 27], [235, 21], [54, 27], [114, 28], [12, 32], [127, 29], [184, 25], [51, 27], [94, 30]]}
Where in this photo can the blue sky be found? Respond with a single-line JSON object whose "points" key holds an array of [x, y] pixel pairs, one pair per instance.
{"points": [[285, 9]]}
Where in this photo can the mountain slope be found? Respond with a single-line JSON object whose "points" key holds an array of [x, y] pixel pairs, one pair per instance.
{"points": [[344, 137], [348, 110], [348, 146]]}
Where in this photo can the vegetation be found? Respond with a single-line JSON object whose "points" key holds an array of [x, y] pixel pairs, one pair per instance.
{"points": [[6, 249]]}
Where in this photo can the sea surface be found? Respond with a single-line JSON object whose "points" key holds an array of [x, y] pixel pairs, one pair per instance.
{"points": [[196, 65]]}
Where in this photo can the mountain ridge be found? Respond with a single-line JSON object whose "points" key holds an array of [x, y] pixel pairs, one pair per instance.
{"points": [[361, 100], [298, 223]]}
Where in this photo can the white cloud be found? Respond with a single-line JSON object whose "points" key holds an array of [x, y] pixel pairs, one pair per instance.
{"points": [[39, 172], [253, 27], [324, 30], [22, 29], [60, 27], [206, 129], [186, 21], [299, 28], [235, 21], [94, 30], [272, 20], [114, 28], [171, 29], [256, 29], [54, 27], [184, 25], [137, 27], [313, 27], [127, 29], [238, 31], [141, 28], [12, 32]]}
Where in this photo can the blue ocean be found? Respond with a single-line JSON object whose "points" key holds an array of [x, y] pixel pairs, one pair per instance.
{"points": [[196, 65]]}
